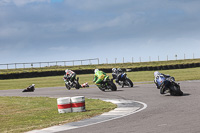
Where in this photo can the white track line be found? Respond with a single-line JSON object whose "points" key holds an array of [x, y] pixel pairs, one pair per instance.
{"points": [[125, 108]]}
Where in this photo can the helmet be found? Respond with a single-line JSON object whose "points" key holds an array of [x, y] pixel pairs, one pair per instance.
{"points": [[156, 73], [96, 70], [66, 70], [33, 84], [119, 69], [114, 69]]}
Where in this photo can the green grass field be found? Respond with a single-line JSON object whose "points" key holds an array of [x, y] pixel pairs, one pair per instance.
{"points": [[20, 114], [140, 76]]}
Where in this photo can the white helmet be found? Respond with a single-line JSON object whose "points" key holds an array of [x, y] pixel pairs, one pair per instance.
{"points": [[66, 70], [96, 70], [156, 73], [114, 69]]}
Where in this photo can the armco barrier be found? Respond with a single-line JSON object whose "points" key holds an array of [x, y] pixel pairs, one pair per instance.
{"points": [[71, 104], [91, 71]]}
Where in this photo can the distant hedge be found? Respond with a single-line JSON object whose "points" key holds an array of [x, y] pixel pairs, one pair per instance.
{"points": [[91, 71]]}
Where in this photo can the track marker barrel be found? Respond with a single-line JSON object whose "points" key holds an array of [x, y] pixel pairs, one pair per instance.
{"points": [[64, 105], [78, 104]]}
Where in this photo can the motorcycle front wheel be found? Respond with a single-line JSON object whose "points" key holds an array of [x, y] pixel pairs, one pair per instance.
{"points": [[129, 83], [176, 91], [67, 86]]}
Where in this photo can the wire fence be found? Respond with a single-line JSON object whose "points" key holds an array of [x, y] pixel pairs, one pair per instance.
{"points": [[147, 59], [49, 64], [96, 61]]}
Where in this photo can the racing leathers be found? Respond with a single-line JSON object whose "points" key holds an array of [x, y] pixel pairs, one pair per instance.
{"points": [[167, 77], [99, 76], [69, 76], [117, 74]]}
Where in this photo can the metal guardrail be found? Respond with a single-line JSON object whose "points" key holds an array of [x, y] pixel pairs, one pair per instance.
{"points": [[48, 64]]}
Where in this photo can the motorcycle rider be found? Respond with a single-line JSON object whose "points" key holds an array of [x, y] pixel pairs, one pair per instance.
{"points": [[116, 73], [167, 77], [99, 76], [69, 76]]}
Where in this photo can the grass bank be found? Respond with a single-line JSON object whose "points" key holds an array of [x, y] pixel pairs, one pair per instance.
{"points": [[55, 81], [101, 66], [21, 114]]}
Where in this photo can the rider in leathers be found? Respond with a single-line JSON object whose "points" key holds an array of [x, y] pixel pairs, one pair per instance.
{"points": [[69, 76], [156, 75], [99, 76], [116, 73]]}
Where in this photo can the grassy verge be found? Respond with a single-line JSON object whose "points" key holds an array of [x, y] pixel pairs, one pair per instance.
{"points": [[20, 114], [100, 66], [55, 81]]}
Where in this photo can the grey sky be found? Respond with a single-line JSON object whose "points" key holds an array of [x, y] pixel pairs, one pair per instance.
{"points": [[50, 30]]}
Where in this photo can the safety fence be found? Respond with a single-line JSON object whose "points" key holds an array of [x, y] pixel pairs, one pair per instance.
{"points": [[91, 71], [49, 64]]}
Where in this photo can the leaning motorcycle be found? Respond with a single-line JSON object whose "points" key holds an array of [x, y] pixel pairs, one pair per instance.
{"points": [[74, 84], [108, 84], [125, 81], [169, 85]]}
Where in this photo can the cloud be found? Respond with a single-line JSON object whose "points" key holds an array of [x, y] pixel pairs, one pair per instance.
{"points": [[57, 26], [21, 2]]}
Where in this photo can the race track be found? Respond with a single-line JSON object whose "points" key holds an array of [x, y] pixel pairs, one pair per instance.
{"points": [[164, 113]]}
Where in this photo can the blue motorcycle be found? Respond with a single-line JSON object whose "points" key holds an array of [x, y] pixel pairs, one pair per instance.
{"points": [[168, 85], [125, 81]]}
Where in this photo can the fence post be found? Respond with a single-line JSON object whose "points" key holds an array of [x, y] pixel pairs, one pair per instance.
{"points": [[176, 56]]}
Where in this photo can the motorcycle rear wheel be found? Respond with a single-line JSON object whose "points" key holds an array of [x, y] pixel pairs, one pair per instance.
{"points": [[113, 86]]}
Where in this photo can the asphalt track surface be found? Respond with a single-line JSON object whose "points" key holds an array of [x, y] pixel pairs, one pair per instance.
{"points": [[164, 113]]}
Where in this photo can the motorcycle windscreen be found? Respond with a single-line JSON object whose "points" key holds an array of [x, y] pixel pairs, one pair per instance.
{"points": [[123, 76], [160, 80]]}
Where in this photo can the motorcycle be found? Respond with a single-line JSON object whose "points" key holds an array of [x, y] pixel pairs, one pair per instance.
{"points": [[168, 85], [125, 81], [74, 84], [108, 84]]}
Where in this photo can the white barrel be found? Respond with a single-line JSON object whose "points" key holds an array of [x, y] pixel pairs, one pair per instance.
{"points": [[64, 105], [78, 103]]}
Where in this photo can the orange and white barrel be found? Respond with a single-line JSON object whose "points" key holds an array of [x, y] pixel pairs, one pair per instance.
{"points": [[78, 104], [64, 105]]}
